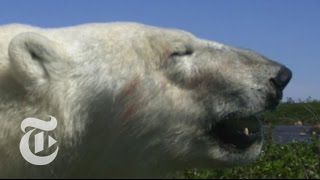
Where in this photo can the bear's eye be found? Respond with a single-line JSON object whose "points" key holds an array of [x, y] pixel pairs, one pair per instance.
{"points": [[187, 52]]}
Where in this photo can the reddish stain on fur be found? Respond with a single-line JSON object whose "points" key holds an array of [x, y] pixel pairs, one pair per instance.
{"points": [[129, 111], [165, 56], [167, 52], [128, 100], [127, 89]]}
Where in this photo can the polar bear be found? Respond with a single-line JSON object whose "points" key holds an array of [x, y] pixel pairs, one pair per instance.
{"points": [[132, 100]]}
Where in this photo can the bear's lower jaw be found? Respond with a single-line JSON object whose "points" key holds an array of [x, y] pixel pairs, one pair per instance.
{"points": [[237, 134]]}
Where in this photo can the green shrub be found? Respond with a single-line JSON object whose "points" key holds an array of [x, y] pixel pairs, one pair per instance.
{"points": [[289, 112]]}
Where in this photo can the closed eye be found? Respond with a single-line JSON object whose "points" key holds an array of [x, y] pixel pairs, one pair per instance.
{"points": [[188, 52]]}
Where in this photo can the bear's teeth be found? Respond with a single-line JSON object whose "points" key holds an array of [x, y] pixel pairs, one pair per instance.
{"points": [[246, 131]]}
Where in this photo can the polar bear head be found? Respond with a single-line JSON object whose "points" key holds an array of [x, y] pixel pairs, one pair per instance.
{"points": [[148, 98]]}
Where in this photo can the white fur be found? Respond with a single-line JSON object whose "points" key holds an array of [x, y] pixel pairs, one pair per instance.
{"points": [[126, 107]]}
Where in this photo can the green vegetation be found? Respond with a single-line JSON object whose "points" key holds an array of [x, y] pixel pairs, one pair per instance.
{"points": [[293, 160], [307, 111]]}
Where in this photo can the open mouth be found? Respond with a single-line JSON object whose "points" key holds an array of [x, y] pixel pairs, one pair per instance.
{"points": [[237, 134]]}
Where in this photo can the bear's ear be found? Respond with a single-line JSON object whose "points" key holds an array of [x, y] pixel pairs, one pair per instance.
{"points": [[34, 59]]}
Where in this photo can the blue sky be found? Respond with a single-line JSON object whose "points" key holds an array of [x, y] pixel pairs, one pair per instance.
{"points": [[287, 31]]}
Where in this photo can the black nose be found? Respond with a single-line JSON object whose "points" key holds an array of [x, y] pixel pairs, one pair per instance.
{"points": [[282, 79]]}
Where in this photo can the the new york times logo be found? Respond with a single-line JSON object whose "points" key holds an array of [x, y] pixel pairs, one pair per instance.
{"points": [[34, 124]]}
